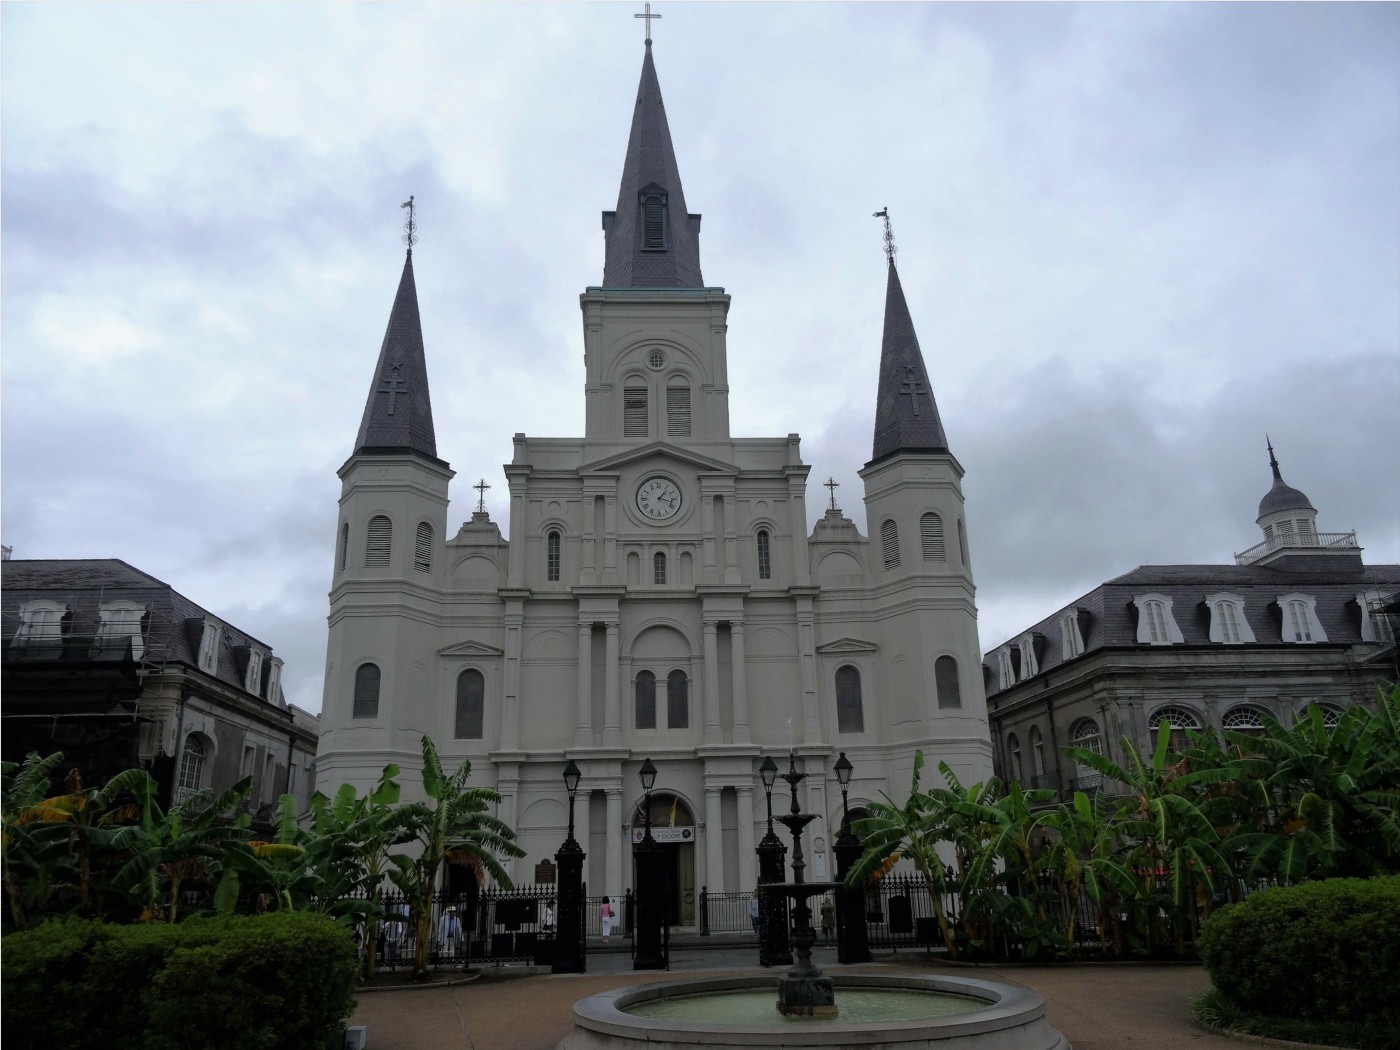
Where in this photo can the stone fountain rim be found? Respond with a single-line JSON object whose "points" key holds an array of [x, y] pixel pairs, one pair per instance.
{"points": [[1007, 1005]]}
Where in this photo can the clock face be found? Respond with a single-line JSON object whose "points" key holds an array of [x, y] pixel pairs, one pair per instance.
{"points": [[659, 499]]}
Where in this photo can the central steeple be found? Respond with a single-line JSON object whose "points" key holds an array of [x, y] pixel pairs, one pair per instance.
{"points": [[652, 241]]}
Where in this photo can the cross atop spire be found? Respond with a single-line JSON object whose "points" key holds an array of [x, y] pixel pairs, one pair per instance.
{"points": [[410, 228], [481, 488], [890, 249], [648, 16]]}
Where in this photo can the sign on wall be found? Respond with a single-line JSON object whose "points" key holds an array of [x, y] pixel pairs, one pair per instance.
{"points": [[683, 834]]}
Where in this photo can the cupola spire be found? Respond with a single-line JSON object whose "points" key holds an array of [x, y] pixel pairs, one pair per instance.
{"points": [[906, 414], [651, 240], [1281, 496], [399, 412]]}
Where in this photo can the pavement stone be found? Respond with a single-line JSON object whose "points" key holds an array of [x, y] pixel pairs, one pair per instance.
{"points": [[1098, 1007]]}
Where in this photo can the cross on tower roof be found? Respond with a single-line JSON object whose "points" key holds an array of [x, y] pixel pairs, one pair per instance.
{"points": [[913, 388], [481, 488], [647, 16], [832, 484], [394, 385]]}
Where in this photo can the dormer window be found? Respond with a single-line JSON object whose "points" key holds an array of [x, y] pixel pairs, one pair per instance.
{"points": [[1005, 670], [1071, 638], [121, 623], [1300, 623], [1375, 625], [1029, 665], [252, 674], [40, 632], [1228, 625], [209, 647], [274, 680], [1156, 624], [653, 222]]}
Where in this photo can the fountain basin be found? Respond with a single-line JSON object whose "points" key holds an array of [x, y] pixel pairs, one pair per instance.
{"points": [[1001, 1017]]}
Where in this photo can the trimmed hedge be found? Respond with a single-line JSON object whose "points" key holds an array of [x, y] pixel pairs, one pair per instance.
{"points": [[1320, 951], [282, 981]]}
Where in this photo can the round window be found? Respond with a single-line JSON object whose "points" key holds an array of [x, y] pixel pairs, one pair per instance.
{"points": [[656, 359]]}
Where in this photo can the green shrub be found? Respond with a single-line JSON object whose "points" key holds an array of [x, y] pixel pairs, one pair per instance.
{"points": [[1320, 951], [272, 982]]}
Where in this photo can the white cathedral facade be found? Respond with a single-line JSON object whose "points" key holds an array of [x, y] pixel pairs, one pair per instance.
{"points": [[657, 592]]}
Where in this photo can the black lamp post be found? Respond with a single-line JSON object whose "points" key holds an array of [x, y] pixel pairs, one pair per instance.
{"points": [[852, 945], [773, 947], [647, 856], [568, 936]]}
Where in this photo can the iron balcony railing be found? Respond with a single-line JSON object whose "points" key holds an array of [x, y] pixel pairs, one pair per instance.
{"points": [[1302, 541]]}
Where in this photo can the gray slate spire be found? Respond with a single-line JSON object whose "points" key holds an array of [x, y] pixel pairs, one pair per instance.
{"points": [[906, 415], [663, 253], [1281, 496], [399, 414]]}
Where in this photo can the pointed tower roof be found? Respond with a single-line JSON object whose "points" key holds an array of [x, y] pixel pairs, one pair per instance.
{"points": [[1281, 496], [399, 413], [906, 414], [664, 250]]}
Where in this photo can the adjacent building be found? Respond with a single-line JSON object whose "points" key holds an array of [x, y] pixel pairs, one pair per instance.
{"points": [[1299, 618], [117, 669], [656, 592]]}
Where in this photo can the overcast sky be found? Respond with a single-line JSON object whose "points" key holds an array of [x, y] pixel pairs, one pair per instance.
{"points": [[1133, 238]]}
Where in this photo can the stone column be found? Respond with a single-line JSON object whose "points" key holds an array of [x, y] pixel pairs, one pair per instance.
{"points": [[711, 701], [748, 877], [510, 715], [714, 842], [807, 658], [610, 538], [731, 540], [740, 693], [612, 735], [583, 707], [505, 810], [707, 542], [613, 878]]}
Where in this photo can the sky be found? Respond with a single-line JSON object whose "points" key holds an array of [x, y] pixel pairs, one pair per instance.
{"points": [[1134, 240]]}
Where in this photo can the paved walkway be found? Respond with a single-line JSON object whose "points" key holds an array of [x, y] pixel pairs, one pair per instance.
{"points": [[1097, 1007]]}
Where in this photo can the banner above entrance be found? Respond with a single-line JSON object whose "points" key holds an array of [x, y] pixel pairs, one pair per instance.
{"points": [[664, 834]]}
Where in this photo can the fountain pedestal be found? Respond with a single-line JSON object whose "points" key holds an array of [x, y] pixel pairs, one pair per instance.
{"points": [[804, 991]]}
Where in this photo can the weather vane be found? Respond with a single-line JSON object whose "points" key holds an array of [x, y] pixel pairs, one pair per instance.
{"points": [[648, 16], [832, 484], [481, 488], [410, 228], [884, 213]]}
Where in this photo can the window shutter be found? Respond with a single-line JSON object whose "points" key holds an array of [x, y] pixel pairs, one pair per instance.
{"points": [[423, 548], [889, 544], [634, 411], [653, 223], [931, 536], [344, 544], [678, 411], [377, 542]]}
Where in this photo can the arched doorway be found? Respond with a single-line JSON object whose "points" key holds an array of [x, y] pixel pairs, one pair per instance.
{"points": [[673, 828]]}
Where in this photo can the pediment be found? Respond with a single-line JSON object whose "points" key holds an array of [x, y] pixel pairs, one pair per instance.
{"points": [[847, 645], [659, 448], [471, 648]]}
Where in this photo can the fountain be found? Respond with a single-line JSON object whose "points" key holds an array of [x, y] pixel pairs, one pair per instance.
{"points": [[883, 1012]]}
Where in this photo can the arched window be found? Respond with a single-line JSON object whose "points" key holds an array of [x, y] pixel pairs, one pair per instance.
{"points": [[658, 568], [634, 409], [1179, 718], [366, 703], [471, 704], [646, 700], [850, 714], [945, 680], [1331, 715], [1244, 719], [552, 556], [765, 560], [931, 537], [423, 548], [344, 545], [1156, 624], [653, 222], [677, 408], [677, 701], [1086, 734], [1013, 756], [1037, 753], [121, 623], [192, 765], [889, 544], [378, 539]]}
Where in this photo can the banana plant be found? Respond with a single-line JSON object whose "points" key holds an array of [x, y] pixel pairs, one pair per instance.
{"points": [[33, 854]]}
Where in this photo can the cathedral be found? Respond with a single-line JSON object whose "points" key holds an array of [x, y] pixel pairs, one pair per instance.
{"points": [[656, 592]]}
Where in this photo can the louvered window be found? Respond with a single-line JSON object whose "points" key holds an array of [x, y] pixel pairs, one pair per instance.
{"points": [[850, 716], [471, 704], [658, 568], [678, 411], [378, 541], [646, 700], [552, 557], [654, 222], [634, 411], [945, 678], [344, 545], [962, 543], [366, 704], [423, 548], [889, 544], [931, 536], [765, 562], [677, 701]]}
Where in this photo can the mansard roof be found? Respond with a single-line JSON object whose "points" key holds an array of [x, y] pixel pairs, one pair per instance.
{"points": [[906, 414], [650, 167]]}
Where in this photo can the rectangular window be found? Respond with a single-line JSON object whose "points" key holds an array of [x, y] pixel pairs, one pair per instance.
{"points": [[634, 412], [1156, 626], [646, 700], [1298, 621], [1229, 624], [677, 701], [423, 548], [678, 411], [889, 544]]}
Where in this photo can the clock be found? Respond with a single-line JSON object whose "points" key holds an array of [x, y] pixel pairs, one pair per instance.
{"points": [[659, 499]]}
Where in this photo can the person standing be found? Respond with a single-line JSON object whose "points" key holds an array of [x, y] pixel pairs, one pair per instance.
{"points": [[828, 920], [753, 910], [549, 917], [605, 918], [450, 932]]}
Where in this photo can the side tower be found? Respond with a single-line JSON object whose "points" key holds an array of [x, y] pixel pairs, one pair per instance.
{"points": [[386, 578], [921, 594]]}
